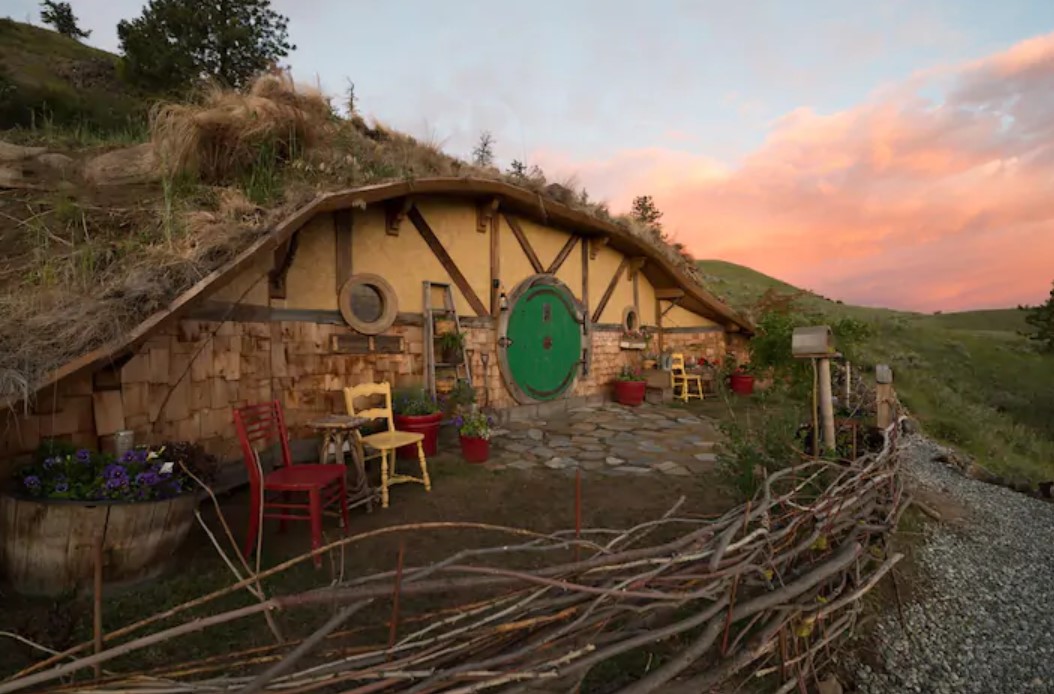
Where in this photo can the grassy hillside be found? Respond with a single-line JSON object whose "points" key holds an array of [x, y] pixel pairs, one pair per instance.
{"points": [[49, 80], [970, 377]]}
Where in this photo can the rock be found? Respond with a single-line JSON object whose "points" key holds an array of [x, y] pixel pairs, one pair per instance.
{"points": [[977, 472], [522, 465], [11, 177], [10, 152], [535, 434], [137, 164], [59, 162], [591, 455], [831, 685], [909, 426], [706, 457], [556, 463], [631, 470], [612, 460]]}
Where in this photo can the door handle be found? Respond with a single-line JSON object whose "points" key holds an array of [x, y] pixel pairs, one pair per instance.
{"points": [[504, 341]]}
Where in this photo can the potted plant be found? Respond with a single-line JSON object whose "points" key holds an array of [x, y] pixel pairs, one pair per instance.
{"points": [[629, 387], [460, 398], [139, 506], [474, 431], [635, 339], [417, 411], [742, 380], [451, 345], [650, 360]]}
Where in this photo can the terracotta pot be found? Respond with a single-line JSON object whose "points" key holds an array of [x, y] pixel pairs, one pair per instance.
{"points": [[427, 424], [630, 392], [475, 450], [47, 545], [743, 384]]}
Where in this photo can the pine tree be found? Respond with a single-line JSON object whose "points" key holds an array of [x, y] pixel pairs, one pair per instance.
{"points": [[646, 213], [483, 154], [60, 15], [176, 43], [517, 169], [1041, 318]]}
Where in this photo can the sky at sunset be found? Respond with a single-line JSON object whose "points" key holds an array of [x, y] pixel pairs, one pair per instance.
{"points": [[895, 153]]}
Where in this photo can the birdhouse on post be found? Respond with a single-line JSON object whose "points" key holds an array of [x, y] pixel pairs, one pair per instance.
{"points": [[813, 342], [816, 342]]}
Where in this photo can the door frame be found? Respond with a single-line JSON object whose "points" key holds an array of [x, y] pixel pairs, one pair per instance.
{"points": [[581, 315]]}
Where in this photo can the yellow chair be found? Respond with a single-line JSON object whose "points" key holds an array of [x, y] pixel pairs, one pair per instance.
{"points": [[679, 378], [386, 441]]}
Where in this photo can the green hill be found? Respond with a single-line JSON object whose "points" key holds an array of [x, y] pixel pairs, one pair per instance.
{"points": [[970, 377], [48, 80]]}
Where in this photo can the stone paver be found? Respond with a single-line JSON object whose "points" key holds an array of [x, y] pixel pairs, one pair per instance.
{"points": [[612, 440]]}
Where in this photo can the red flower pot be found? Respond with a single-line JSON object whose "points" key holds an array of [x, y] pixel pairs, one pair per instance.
{"points": [[475, 450], [427, 424], [630, 392], [742, 384]]}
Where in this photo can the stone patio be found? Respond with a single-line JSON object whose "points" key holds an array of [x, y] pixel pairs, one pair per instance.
{"points": [[609, 439]]}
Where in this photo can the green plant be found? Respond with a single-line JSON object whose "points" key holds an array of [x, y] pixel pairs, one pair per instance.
{"points": [[462, 396], [630, 374], [414, 402], [1041, 322], [474, 425], [757, 443], [451, 342]]}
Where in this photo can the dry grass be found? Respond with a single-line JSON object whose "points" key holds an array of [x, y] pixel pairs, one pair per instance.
{"points": [[223, 136], [233, 164]]}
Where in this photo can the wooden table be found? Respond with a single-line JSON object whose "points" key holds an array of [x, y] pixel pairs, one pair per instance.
{"points": [[338, 429]]}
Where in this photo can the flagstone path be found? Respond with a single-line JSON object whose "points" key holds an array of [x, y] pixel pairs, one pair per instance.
{"points": [[611, 440]]}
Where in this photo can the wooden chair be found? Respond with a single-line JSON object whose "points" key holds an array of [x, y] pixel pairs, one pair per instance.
{"points": [[386, 442], [680, 378], [261, 427]]}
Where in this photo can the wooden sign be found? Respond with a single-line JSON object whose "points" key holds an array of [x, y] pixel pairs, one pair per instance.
{"points": [[363, 344]]}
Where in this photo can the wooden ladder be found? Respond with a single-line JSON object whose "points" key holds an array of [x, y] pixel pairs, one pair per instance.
{"points": [[459, 369]]}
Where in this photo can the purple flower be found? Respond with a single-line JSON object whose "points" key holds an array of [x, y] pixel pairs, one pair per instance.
{"points": [[458, 421], [147, 479], [128, 457], [50, 463], [116, 482], [32, 482], [62, 486], [140, 455], [83, 455], [115, 471]]}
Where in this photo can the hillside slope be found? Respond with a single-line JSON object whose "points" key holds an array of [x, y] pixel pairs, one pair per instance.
{"points": [[47, 78], [970, 377]]}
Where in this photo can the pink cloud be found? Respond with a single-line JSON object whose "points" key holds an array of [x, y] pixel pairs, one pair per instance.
{"points": [[902, 201]]}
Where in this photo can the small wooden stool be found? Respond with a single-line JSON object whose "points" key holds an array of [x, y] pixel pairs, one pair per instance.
{"points": [[338, 429]]}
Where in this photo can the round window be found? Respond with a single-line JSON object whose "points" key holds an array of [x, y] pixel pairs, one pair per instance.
{"points": [[368, 303], [630, 319]]}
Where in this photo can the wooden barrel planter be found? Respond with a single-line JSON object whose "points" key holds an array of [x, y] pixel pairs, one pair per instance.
{"points": [[47, 546]]}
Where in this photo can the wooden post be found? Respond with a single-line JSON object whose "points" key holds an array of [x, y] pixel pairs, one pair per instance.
{"points": [[826, 404], [884, 395], [848, 381], [97, 596]]}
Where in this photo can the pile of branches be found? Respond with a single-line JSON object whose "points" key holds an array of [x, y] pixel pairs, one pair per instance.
{"points": [[766, 590]]}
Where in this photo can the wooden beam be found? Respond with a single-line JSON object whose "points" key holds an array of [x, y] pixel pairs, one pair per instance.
{"points": [[610, 290], [669, 293], [342, 225], [635, 265], [495, 265], [670, 307], [636, 295], [446, 261], [525, 243], [562, 255], [395, 212], [283, 259], [585, 277], [595, 245], [658, 325], [485, 213]]}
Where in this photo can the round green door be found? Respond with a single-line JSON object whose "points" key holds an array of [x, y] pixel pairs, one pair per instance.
{"points": [[543, 341]]}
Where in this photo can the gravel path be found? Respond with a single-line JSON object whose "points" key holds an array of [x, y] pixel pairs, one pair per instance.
{"points": [[985, 621]]}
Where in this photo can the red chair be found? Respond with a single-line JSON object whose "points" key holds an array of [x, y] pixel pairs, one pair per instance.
{"points": [[263, 426]]}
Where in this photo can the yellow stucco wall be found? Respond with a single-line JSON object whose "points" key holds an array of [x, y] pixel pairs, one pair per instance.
{"points": [[601, 270], [249, 286], [312, 278], [682, 318], [405, 260]]}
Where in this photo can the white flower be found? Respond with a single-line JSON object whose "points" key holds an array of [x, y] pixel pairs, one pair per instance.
{"points": [[166, 469]]}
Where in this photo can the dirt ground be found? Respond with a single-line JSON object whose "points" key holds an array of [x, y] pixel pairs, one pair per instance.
{"points": [[540, 500]]}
